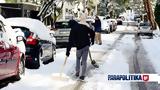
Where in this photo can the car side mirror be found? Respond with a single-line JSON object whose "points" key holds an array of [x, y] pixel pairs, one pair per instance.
{"points": [[19, 38]]}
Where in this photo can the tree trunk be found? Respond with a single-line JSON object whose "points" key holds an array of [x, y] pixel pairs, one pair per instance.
{"points": [[150, 15], [157, 12]]}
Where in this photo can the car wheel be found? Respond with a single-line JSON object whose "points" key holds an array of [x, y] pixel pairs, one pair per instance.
{"points": [[105, 31], [21, 69], [52, 57], [108, 31], [22, 65], [53, 52]]}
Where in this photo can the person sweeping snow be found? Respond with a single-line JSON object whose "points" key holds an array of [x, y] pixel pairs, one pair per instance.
{"points": [[81, 36]]}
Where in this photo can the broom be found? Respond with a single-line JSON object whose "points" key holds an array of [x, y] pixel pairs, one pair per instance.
{"points": [[93, 62], [59, 77]]}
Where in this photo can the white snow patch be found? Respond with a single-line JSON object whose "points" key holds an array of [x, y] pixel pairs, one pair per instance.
{"points": [[153, 50]]}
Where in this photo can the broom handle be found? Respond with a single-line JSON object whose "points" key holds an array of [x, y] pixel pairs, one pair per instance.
{"points": [[62, 68], [90, 55]]}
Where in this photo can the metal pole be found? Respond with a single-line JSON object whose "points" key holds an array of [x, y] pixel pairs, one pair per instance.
{"points": [[64, 11], [96, 8], [84, 4]]}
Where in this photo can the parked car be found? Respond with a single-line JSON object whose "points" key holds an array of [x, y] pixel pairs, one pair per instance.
{"points": [[40, 44], [119, 21], [11, 62], [144, 28], [14, 36], [130, 23], [62, 31], [104, 25], [112, 24]]}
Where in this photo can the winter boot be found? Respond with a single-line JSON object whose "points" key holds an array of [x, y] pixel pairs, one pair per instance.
{"points": [[77, 74], [82, 77]]}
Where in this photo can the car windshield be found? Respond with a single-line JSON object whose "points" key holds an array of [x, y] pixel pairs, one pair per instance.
{"points": [[144, 24], [62, 25]]}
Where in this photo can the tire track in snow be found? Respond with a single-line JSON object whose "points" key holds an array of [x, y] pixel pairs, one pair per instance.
{"points": [[141, 64]]}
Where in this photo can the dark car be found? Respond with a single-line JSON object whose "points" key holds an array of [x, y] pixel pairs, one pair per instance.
{"points": [[119, 21], [40, 45]]}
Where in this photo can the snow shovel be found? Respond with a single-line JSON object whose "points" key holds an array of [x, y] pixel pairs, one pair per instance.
{"points": [[62, 68], [93, 62], [59, 77]]}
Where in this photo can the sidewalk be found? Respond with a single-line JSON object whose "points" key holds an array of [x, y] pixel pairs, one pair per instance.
{"points": [[152, 46]]}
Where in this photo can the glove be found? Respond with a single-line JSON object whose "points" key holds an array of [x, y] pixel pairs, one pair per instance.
{"points": [[67, 53], [92, 43]]}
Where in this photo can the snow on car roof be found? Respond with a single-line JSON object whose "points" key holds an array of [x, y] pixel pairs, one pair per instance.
{"points": [[34, 25]]}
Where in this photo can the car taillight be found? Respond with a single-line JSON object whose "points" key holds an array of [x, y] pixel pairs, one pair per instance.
{"points": [[29, 40]]}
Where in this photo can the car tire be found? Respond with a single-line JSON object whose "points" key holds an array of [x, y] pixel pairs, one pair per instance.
{"points": [[108, 31], [105, 31], [21, 69], [52, 57], [53, 49]]}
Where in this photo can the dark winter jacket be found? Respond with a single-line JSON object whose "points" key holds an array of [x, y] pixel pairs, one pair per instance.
{"points": [[80, 36], [97, 25]]}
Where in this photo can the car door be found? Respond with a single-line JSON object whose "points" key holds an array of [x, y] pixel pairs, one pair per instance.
{"points": [[8, 56], [3, 61], [12, 58]]}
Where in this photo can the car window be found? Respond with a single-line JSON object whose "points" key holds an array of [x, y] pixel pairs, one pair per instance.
{"points": [[62, 25], [24, 30], [144, 24], [141, 24]]}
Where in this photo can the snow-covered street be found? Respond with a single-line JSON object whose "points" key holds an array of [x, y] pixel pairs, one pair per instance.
{"points": [[114, 56]]}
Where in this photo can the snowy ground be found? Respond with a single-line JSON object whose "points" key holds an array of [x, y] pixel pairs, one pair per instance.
{"points": [[153, 50], [111, 56]]}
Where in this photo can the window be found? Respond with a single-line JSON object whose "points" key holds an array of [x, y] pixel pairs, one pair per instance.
{"points": [[62, 25], [24, 30]]}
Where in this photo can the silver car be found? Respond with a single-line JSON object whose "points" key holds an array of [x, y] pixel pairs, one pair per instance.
{"points": [[144, 29], [62, 31]]}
